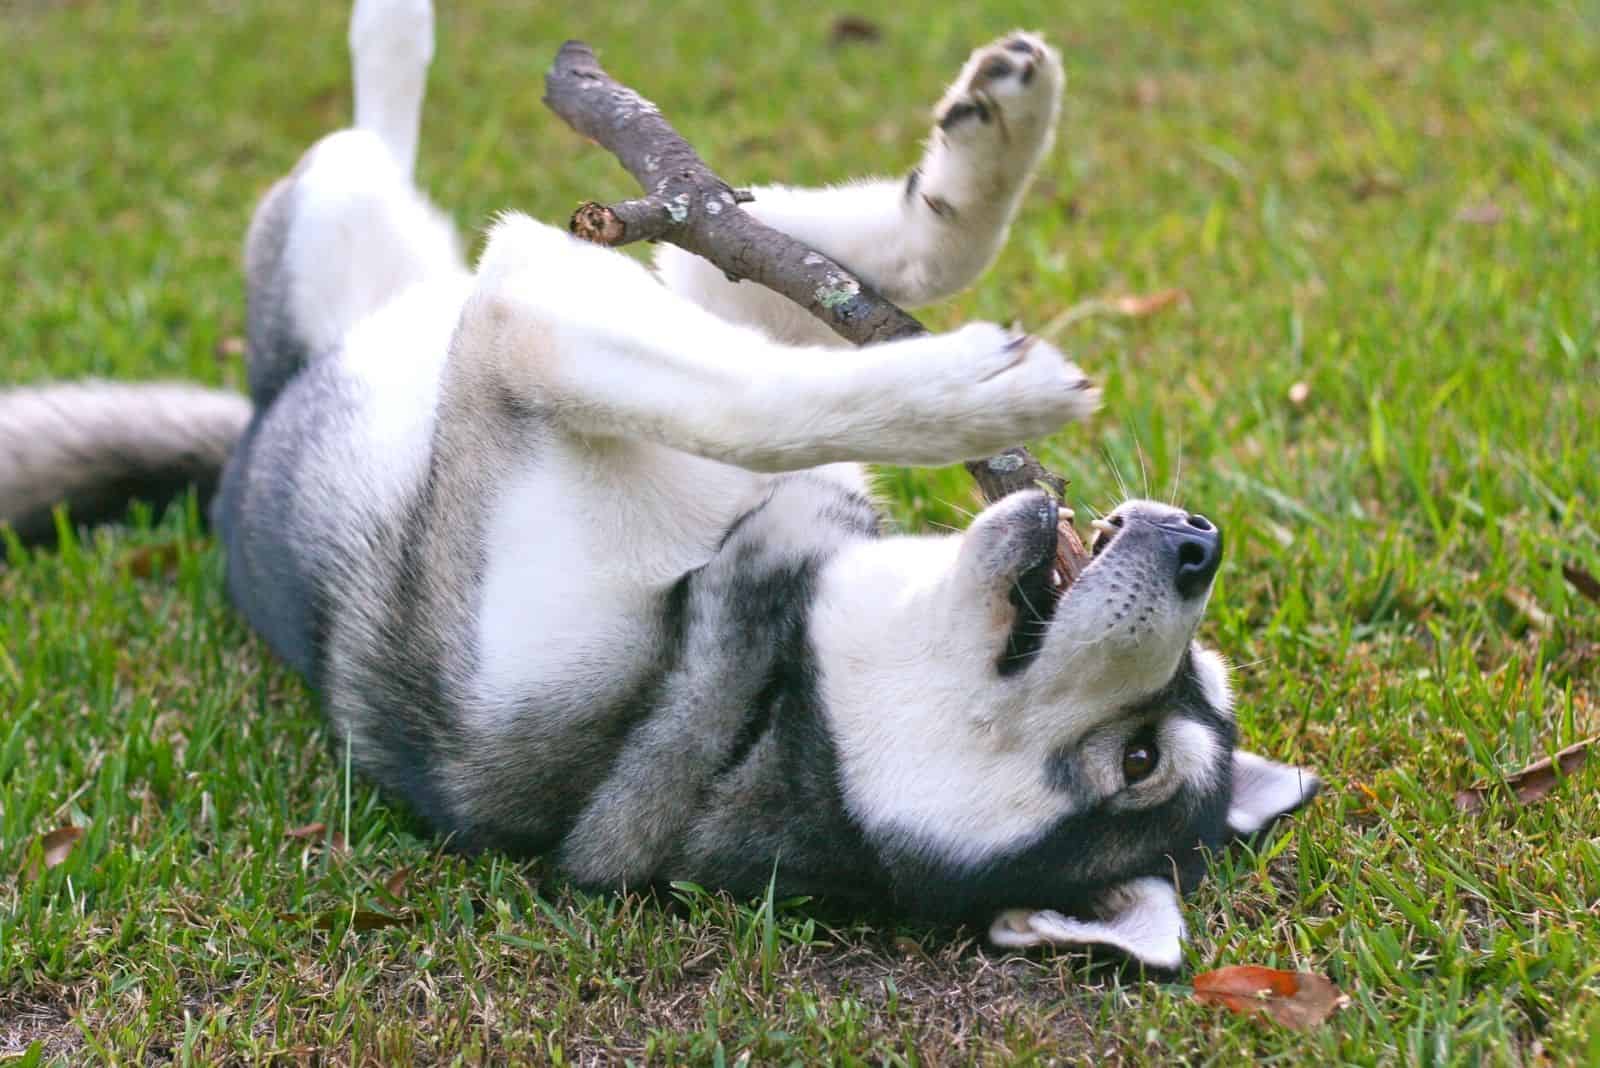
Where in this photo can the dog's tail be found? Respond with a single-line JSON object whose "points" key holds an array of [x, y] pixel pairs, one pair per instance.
{"points": [[97, 447]]}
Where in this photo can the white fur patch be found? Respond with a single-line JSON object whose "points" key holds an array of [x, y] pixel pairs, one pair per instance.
{"points": [[578, 541], [361, 236], [1192, 751], [1211, 668], [908, 705]]}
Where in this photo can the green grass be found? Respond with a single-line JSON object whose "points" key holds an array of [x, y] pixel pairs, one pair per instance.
{"points": [[1393, 594]]}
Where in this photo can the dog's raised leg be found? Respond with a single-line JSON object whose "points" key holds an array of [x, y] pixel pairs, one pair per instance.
{"points": [[391, 45], [347, 229], [930, 234], [586, 337]]}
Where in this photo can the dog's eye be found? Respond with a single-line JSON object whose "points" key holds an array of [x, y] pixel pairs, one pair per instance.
{"points": [[1139, 760]]}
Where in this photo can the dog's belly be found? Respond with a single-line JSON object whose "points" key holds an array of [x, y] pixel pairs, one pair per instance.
{"points": [[583, 542]]}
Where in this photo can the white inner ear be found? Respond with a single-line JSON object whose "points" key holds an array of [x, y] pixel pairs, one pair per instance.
{"points": [[1144, 921], [1263, 790]]}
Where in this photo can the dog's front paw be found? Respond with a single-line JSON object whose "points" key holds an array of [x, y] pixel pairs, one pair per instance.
{"points": [[1009, 91], [1001, 388]]}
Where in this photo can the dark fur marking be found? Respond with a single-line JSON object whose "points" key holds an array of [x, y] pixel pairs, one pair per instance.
{"points": [[406, 676], [995, 67], [513, 405], [1033, 602], [961, 111], [939, 206], [913, 180]]}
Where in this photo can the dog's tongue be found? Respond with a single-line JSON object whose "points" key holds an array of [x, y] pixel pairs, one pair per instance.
{"points": [[1071, 556]]}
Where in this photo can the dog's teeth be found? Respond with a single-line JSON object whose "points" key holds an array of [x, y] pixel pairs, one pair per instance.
{"points": [[1067, 513], [1055, 578], [1103, 526]]}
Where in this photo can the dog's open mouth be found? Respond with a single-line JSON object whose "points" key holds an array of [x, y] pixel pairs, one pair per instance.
{"points": [[1047, 582], [1040, 589], [1071, 557]]}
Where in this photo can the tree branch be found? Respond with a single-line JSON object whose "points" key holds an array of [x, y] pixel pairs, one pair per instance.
{"points": [[689, 206]]}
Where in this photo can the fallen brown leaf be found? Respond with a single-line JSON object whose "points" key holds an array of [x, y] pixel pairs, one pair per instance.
{"points": [[230, 348], [1484, 213], [1375, 185], [1533, 782], [151, 561], [1298, 1000], [54, 848], [395, 885], [1137, 307], [853, 29], [1582, 581], [313, 832], [1147, 92]]}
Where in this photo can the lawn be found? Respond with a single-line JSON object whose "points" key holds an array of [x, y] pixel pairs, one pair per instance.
{"points": [[1383, 381]]}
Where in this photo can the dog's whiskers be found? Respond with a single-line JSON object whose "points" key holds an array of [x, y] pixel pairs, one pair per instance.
{"points": [[954, 507], [1177, 475], [1116, 472], [1138, 452], [1037, 616]]}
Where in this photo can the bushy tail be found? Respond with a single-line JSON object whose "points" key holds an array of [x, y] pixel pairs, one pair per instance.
{"points": [[97, 447]]}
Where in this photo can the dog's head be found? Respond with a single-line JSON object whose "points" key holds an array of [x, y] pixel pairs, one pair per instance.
{"points": [[1027, 727]]}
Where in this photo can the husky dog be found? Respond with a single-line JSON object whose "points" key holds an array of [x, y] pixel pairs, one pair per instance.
{"points": [[579, 561]]}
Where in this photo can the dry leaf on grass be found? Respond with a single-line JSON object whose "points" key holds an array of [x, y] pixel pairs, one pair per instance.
{"points": [[1582, 581], [316, 832], [153, 561], [1299, 1000], [1375, 185], [1533, 782], [394, 887], [1139, 306], [853, 29], [230, 348], [1132, 306], [54, 848]]}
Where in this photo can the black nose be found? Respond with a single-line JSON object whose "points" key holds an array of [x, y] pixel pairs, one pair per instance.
{"points": [[1197, 545]]}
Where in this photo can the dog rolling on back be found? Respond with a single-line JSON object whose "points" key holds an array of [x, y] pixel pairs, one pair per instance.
{"points": [[580, 562]]}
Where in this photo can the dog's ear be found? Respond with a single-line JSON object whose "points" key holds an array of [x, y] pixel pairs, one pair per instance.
{"points": [[1263, 790], [1140, 919]]}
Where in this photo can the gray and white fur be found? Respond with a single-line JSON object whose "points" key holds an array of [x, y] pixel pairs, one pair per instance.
{"points": [[580, 562]]}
